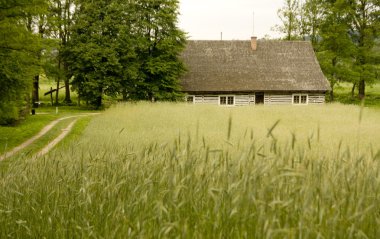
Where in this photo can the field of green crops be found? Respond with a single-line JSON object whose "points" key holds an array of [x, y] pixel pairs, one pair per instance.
{"points": [[183, 171]]}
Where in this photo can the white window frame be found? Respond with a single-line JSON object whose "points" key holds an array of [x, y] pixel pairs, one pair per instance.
{"points": [[220, 96], [189, 101], [300, 96]]}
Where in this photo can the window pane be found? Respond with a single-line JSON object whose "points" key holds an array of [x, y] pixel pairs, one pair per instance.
{"points": [[296, 99], [230, 100], [303, 99], [190, 99], [223, 100]]}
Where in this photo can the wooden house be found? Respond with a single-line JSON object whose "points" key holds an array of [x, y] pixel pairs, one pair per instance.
{"points": [[238, 73]]}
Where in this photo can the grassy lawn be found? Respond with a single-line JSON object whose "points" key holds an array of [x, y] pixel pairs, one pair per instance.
{"points": [[46, 84], [173, 170], [12, 136], [343, 95]]}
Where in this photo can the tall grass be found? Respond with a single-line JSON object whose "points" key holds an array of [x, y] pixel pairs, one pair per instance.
{"points": [[164, 170]]}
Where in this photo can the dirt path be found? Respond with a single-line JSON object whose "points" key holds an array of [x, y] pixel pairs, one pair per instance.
{"points": [[53, 143], [46, 129]]}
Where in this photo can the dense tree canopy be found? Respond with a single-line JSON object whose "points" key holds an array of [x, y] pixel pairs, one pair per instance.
{"points": [[92, 53], [19, 49], [159, 44], [126, 47], [105, 47]]}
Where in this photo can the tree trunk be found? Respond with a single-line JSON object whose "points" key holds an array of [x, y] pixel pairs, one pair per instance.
{"points": [[333, 80], [67, 91], [98, 101], [35, 95], [353, 90], [57, 93], [58, 82], [125, 95], [27, 107], [67, 85], [361, 89]]}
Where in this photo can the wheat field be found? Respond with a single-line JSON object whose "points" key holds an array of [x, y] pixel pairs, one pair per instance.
{"points": [[169, 170]]}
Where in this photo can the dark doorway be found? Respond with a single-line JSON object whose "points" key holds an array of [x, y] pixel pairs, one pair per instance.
{"points": [[259, 98]]}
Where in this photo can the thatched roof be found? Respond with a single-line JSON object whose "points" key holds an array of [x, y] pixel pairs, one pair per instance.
{"points": [[232, 66]]}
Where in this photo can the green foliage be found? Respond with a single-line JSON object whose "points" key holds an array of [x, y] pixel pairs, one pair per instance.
{"points": [[129, 48], [290, 18], [18, 57], [160, 43], [365, 27], [58, 24], [343, 34], [311, 19], [336, 47], [92, 52]]}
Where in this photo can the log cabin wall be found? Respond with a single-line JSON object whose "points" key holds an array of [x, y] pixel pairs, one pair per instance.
{"points": [[269, 99]]}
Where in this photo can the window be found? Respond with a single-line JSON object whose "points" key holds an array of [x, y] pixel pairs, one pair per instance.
{"points": [[223, 100], [226, 100], [190, 99], [230, 100], [303, 99], [300, 99], [296, 99]]}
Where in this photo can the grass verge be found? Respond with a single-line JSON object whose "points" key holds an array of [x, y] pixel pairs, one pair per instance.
{"points": [[343, 95]]}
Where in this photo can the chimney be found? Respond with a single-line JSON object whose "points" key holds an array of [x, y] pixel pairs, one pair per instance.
{"points": [[254, 43]]}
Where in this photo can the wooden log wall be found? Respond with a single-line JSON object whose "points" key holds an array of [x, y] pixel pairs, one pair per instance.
{"points": [[244, 100], [284, 99], [317, 99], [269, 99]]}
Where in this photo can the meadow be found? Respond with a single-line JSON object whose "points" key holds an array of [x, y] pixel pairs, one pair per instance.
{"points": [[183, 171]]}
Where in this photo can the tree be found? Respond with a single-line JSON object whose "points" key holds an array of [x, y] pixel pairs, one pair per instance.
{"points": [[92, 51], [35, 22], [160, 43], [336, 45], [364, 26], [311, 20], [126, 47], [18, 57], [60, 22], [343, 33], [289, 15]]}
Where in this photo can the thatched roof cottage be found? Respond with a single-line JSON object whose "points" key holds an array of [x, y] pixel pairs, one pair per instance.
{"points": [[253, 72]]}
